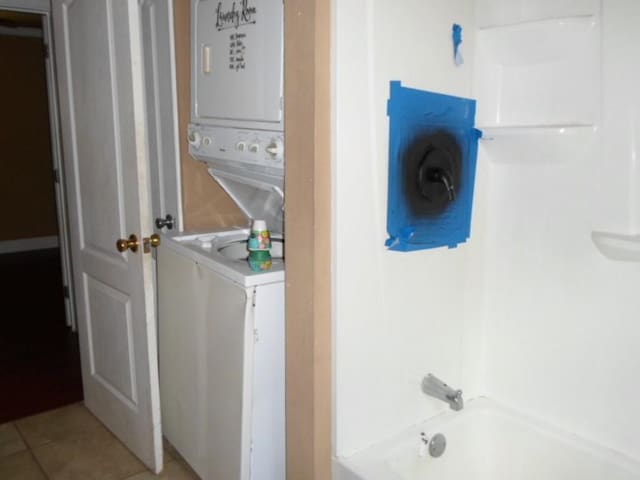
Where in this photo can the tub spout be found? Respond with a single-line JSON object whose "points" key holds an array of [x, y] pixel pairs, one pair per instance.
{"points": [[434, 387]]}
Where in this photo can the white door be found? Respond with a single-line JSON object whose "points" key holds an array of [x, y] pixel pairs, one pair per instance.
{"points": [[100, 83]]}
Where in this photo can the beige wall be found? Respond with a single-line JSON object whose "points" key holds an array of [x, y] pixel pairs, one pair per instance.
{"points": [[205, 204], [26, 184]]}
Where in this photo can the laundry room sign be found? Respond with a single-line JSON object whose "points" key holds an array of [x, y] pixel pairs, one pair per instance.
{"points": [[233, 17]]}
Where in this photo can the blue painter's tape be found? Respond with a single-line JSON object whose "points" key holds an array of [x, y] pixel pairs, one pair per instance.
{"points": [[457, 44], [415, 115]]}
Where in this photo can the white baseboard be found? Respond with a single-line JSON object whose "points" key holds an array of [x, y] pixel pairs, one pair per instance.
{"points": [[26, 244]]}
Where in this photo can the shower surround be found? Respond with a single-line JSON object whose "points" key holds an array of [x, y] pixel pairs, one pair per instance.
{"points": [[538, 310]]}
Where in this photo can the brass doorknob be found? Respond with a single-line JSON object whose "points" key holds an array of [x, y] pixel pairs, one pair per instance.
{"points": [[151, 241], [154, 239], [131, 244]]}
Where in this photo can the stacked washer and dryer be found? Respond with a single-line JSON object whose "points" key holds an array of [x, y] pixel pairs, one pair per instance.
{"points": [[221, 325]]}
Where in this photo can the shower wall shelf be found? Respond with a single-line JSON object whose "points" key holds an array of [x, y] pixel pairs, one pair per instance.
{"points": [[507, 13], [491, 132], [617, 246], [542, 74], [542, 144], [557, 128]]}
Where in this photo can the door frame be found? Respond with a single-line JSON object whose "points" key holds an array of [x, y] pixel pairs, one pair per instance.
{"points": [[43, 8], [308, 180]]}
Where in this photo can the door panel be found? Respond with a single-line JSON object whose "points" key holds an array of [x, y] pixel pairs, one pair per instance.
{"points": [[100, 84], [109, 324], [94, 100], [162, 109]]}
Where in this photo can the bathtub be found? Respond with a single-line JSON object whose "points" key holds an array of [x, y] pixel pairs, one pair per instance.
{"points": [[487, 441]]}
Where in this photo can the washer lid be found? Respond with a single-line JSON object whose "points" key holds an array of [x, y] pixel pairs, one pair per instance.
{"points": [[258, 195]]}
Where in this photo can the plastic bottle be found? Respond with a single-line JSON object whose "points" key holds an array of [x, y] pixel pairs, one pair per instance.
{"points": [[259, 246]]}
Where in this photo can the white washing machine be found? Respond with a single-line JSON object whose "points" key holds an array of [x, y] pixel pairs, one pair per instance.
{"points": [[221, 351], [221, 325]]}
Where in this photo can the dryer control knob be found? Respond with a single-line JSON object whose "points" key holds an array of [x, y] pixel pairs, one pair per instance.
{"points": [[275, 148], [254, 147], [194, 139], [241, 146]]}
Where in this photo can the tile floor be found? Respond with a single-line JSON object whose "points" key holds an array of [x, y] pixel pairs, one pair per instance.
{"points": [[69, 443]]}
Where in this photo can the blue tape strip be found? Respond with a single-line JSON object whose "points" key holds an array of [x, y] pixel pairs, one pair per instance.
{"points": [[457, 42]]}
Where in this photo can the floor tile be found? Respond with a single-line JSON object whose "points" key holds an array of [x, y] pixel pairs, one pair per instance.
{"points": [[169, 451], [59, 424], [10, 440], [95, 455], [20, 466], [172, 455], [172, 471]]}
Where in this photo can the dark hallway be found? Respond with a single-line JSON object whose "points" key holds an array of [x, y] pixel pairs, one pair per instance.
{"points": [[39, 354]]}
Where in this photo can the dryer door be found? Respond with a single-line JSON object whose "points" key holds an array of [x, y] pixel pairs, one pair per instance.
{"points": [[237, 61]]}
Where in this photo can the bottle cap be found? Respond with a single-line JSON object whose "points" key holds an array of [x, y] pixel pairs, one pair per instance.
{"points": [[258, 226], [260, 238]]}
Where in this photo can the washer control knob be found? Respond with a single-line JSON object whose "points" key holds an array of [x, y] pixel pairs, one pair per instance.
{"points": [[254, 147], [275, 148], [206, 141], [241, 146], [194, 139]]}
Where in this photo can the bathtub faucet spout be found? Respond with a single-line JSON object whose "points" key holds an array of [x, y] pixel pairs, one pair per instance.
{"points": [[434, 387]]}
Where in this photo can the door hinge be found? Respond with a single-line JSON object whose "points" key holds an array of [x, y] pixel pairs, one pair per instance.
{"points": [[56, 175], [66, 291], [254, 294]]}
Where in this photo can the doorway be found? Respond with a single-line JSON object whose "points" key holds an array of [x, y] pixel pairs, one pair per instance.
{"points": [[39, 353]]}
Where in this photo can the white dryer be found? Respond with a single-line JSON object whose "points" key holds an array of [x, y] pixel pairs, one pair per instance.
{"points": [[236, 104]]}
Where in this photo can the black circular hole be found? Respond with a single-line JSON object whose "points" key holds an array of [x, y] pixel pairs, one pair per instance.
{"points": [[433, 164]]}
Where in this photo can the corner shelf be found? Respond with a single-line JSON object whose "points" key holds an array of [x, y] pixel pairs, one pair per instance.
{"points": [[539, 77], [617, 246]]}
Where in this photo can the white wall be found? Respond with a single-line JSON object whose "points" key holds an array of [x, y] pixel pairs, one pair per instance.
{"points": [[563, 321], [398, 316]]}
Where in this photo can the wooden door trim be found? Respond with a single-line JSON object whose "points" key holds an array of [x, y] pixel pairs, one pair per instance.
{"points": [[307, 95]]}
